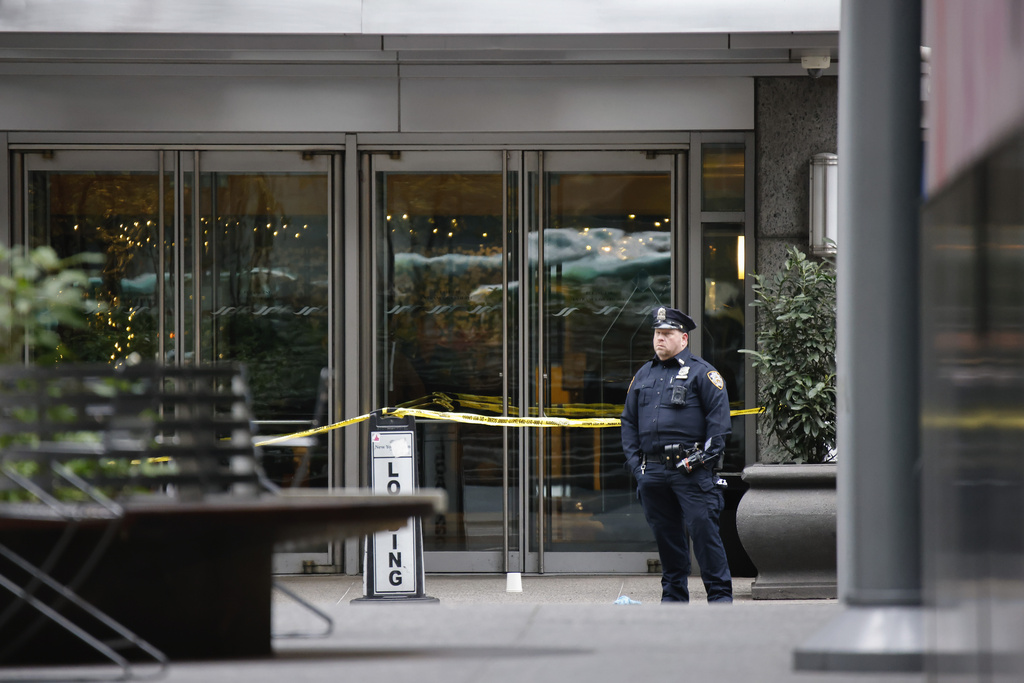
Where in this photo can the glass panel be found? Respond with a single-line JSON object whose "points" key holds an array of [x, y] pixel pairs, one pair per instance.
{"points": [[264, 255], [111, 213], [722, 329], [607, 260], [722, 177], [443, 335]]}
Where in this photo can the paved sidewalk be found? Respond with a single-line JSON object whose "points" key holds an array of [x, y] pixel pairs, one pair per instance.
{"points": [[560, 629], [491, 589]]}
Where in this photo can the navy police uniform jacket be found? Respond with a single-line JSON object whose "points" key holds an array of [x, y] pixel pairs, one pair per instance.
{"points": [[651, 421]]}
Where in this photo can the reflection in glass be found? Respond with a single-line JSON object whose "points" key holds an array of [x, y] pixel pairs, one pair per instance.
{"points": [[264, 259], [722, 329], [722, 177], [443, 306], [972, 472], [114, 214], [607, 263], [263, 291]]}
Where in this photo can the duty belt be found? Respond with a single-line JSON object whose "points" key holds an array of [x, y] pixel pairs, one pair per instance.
{"points": [[668, 455], [679, 455], [671, 459]]}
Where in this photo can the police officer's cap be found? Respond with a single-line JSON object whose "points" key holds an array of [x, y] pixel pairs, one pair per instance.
{"points": [[672, 319]]}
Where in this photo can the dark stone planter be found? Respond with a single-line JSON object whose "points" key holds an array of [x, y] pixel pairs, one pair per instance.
{"points": [[786, 522]]}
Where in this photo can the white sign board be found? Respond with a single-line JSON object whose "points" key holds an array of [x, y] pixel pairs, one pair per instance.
{"points": [[394, 552]]}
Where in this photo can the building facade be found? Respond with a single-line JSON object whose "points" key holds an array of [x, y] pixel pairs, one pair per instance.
{"points": [[463, 212]]}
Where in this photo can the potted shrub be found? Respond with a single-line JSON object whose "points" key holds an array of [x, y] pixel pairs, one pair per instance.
{"points": [[786, 519]]}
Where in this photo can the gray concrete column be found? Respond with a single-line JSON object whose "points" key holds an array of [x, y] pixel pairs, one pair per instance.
{"points": [[878, 505], [879, 302]]}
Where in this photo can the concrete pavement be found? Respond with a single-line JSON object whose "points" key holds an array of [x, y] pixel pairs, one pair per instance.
{"points": [[560, 628]]}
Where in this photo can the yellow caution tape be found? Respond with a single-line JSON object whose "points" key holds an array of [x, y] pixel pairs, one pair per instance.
{"points": [[565, 410], [486, 403], [748, 411], [598, 422], [162, 458], [494, 404], [311, 432], [975, 420]]}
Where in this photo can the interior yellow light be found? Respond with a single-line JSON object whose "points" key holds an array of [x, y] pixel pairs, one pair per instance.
{"points": [[740, 259]]}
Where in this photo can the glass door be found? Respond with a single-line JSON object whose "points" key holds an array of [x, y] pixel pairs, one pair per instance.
{"points": [[509, 292], [263, 257], [444, 274], [236, 271], [262, 254], [604, 257]]}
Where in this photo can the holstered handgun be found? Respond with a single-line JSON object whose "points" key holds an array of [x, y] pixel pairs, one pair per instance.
{"points": [[687, 458]]}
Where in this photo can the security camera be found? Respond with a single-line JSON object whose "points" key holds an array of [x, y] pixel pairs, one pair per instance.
{"points": [[815, 64]]}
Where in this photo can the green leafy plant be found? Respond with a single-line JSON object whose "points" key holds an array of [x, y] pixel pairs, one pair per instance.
{"points": [[39, 292], [795, 360]]}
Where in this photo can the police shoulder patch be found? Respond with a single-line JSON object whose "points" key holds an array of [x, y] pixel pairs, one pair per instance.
{"points": [[716, 379]]}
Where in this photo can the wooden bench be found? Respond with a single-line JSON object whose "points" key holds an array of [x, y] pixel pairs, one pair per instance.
{"points": [[139, 490]]}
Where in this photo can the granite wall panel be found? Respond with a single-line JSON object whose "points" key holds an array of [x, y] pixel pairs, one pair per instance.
{"points": [[794, 118]]}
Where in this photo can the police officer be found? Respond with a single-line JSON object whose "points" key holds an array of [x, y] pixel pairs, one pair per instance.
{"points": [[677, 401]]}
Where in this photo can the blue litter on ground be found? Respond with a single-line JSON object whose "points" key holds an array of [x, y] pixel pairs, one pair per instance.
{"points": [[626, 600]]}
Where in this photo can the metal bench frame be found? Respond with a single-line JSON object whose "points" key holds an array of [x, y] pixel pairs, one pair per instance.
{"points": [[195, 424]]}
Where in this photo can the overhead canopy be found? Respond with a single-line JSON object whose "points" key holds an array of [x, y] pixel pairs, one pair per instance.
{"points": [[421, 17]]}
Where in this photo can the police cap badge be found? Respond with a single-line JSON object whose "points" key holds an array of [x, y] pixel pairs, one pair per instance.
{"points": [[672, 319]]}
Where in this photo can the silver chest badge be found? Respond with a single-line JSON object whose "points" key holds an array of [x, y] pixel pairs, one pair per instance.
{"points": [[684, 371]]}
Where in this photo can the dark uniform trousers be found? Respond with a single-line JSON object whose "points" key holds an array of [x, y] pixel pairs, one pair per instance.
{"points": [[671, 499]]}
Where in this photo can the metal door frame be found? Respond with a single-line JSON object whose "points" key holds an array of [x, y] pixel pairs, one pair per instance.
{"points": [[491, 160], [215, 160], [583, 159], [180, 162], [529, 162]]}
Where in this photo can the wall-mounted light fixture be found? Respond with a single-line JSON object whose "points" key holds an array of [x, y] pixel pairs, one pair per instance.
{"points": [[824, 213], [741, 259]]}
